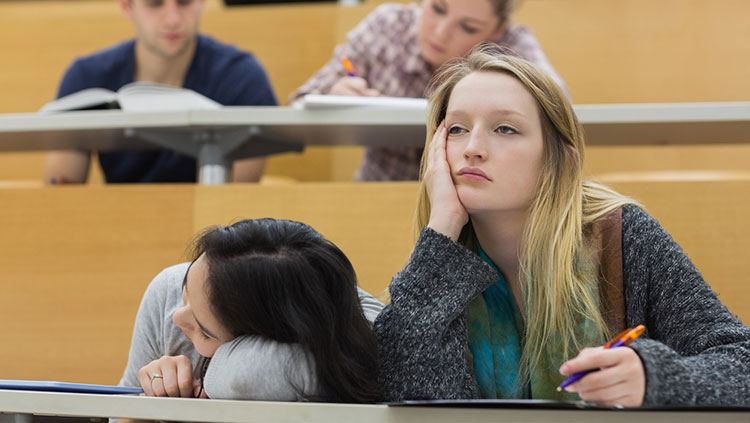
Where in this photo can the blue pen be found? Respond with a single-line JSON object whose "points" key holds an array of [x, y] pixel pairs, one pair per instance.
{"points": [[621, 340]]}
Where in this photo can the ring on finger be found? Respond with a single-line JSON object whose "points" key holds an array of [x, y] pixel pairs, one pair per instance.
{"points": [[154, 376]]}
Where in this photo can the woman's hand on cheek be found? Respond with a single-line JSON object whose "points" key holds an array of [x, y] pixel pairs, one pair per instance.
{"points": [[620, 382], [176, 377], [447, 214]]}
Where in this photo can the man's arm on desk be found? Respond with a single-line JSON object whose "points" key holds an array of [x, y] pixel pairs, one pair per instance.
{"points": [[67, 167], [248, 170]]}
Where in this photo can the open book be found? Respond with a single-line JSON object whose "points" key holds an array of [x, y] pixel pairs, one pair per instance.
{"points": [[136, 96], [82, 388], [326, 101]]}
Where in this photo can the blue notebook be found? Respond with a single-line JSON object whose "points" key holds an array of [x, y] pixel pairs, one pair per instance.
{"points": [[81, 388]]}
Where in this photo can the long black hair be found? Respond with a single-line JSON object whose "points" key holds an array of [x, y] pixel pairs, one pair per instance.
{"points": [[282, 280]]}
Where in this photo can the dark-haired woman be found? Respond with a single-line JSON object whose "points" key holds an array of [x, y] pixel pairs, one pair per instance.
{"points": [[267, 310]]}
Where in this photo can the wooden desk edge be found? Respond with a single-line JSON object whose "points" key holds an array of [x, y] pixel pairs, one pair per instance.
{"points": [[186, 409]]}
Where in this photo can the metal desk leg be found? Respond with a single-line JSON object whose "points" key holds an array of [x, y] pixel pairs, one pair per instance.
{"points": [[212, 165], [23, 418]]}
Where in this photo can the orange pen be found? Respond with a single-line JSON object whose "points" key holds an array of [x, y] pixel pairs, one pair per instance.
{"points": [[622, 339], [350, 71]]}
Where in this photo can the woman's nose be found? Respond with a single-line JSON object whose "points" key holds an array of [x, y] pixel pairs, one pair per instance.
{"points": [[476, 147], [442, 31], [180, 318]]}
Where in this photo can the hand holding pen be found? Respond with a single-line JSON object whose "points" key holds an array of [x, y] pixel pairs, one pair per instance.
{"points": [[352, 83], [608, 375]]}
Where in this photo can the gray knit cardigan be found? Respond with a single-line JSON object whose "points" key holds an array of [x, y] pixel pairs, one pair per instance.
{"points": [[694, 350]]}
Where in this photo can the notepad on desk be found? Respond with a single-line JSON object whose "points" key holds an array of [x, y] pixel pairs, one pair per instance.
{"points": [[136, 96], [80, 388], [329, 101]]}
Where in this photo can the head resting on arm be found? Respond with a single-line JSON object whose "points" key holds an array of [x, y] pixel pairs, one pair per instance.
{"points": [[283, 281]]}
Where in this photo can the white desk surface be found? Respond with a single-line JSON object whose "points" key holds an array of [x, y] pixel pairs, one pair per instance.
{"points": [[176, 409], [604, 124]]}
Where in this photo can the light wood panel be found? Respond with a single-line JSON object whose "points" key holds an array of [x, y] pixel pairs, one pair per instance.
{"points": [[600, 161], [636, 51], [74, 263]]}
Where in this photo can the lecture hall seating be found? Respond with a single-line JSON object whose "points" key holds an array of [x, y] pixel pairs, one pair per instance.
{"points": [[74, 261]]}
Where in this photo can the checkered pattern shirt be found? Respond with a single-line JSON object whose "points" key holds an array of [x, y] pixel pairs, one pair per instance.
{"points": [[385, 51]]}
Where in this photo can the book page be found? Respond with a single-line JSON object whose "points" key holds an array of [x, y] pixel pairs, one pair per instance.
{"points": [[89, 98], [146, 97], [325, 101]]}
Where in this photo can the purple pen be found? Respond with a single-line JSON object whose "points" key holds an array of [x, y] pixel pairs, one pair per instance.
{"points": [[620, 340]]}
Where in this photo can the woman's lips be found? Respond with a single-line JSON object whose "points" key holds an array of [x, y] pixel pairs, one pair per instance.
{"points": [[473, 174], [436, 47]]}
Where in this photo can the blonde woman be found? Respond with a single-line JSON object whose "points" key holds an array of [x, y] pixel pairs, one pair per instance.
{"points": [[521, 267]]}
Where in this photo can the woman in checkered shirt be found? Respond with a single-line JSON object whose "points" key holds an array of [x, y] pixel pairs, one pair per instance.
{"points": [[397, 48]]}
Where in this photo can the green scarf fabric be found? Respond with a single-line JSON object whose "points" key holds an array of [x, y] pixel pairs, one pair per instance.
{"points": [[495, 331]]}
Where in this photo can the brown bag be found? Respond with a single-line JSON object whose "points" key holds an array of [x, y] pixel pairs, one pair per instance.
{"points": [[606, 235]]}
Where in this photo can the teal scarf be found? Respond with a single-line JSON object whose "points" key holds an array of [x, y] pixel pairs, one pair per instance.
{"points": [[495, 332], [495, 326]]}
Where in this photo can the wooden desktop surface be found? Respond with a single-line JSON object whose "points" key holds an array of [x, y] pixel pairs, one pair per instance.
{"points": [[604, 125]]}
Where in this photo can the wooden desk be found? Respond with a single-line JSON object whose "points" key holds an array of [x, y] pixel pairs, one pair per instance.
{"points": [[215, 137], [177, 409]]}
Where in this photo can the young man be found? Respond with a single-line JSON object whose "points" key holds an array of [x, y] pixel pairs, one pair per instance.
{"points": [[167, 49]]}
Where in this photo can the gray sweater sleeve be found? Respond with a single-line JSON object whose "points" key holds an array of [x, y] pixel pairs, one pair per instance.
{"points": [[694, 351], [422, 333], [254, 368], [154, 333], [250, 367]]}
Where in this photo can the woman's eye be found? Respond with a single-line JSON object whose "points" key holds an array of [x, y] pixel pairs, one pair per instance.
{"points": [[507, 130], [455, 130], [469, 30], [437, 9]]}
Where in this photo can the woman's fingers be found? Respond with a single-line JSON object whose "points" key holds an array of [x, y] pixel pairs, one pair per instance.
{"points": [[184, 376], [170, 376], [620, 380], [353, 85], [587, 359], [144, 379], [447, 214]]}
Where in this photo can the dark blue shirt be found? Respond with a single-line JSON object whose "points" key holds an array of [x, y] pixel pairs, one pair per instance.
{"points": [[220, 72]]}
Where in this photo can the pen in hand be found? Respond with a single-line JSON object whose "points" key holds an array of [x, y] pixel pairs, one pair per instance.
{"points": [[621, 340], [350, 71]]}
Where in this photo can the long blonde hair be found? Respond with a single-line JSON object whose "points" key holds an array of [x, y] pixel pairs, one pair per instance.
{"points": [[556, 261]]}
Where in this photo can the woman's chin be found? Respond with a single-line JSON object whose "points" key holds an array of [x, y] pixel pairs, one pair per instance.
{"points": [[471, 197]]}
